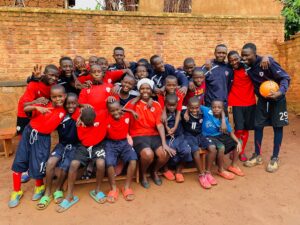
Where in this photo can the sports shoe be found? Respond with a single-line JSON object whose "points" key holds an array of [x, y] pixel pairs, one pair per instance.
{"points": [[38, 192], [25, 177], [15, 198], [204, 182], [254, 160], [210, 178], [273, 165]]}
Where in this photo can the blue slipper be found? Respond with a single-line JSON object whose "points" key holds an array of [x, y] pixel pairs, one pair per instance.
{"points": [[145, 184], [65, 204], [100, 197]]}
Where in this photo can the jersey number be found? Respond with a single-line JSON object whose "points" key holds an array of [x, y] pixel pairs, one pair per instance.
{"points": [[283, 115]]}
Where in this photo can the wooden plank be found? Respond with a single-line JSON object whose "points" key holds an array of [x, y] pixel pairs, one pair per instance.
{"points": [[7, 133]]}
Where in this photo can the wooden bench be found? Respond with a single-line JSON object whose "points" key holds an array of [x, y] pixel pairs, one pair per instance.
{"points": [[6, 136]]}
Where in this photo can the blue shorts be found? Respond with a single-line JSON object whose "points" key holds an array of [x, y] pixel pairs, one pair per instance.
{"points": [[196, 142], [65, 154], [183, 150], [32, 153], [118, 149]]}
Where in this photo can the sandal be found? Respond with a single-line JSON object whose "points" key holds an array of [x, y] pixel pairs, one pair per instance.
{"points": [[66, 204], [112, 196], [44, 202], [100, 197], [226, 175], [58, 197], [179, 177], [145, 184], [128, 192], [236, 170], [169, 175]]}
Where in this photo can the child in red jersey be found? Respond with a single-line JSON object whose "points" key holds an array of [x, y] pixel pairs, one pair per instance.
{"points": [[91, 133], [148, 133], [242, 99], [34, 148], [116, 147], [198, 87], [36, 93]]}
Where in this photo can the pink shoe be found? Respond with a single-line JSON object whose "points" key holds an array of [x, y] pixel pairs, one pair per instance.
{"points": [[243, 157], [211, 179], [203, 182]]}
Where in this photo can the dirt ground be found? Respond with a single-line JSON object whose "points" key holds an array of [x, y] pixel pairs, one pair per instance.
{"points": [[258, 198]]}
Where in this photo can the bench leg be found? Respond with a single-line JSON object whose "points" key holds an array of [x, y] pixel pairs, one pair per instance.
{"points": [[7, 144]]}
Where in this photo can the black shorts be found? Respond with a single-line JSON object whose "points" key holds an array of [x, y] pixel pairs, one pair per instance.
{"points": [[21, 124], [224, 141], [244, 117], [85, 154], [271, 113], [141, 142]]}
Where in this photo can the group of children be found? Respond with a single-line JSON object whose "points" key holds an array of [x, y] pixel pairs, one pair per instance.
{"points": [[109, 116]]}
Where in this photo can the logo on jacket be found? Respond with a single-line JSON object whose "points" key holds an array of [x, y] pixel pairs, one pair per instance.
{"points": [[261, 74]]}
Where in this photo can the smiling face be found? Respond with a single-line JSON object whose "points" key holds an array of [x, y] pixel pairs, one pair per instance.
{"points": [[119, 56], [189, 67], [198, 78], [194, 108], [79, 63], [141, 72], [171, 85], [115, 110], [51, 76], [145, 92], [58, 97], [93, 60], [217, 108], [67, 67], [248, 56], [220, 53], [171, 106], [103, 63], [158, 65], [127, 84], [234, 61], [97, 73], [71, 104]]}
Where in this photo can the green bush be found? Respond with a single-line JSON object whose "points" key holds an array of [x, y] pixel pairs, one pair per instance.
{"points": [[291, 12]]}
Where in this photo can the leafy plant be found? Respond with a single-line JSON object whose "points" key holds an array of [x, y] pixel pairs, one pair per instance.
{"points": [[291, 12]]}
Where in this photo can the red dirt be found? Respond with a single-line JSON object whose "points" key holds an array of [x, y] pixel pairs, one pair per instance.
{"points": [[257, 198]]}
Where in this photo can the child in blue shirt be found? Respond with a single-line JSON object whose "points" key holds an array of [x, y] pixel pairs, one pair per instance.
{"points": [[223, 142]]}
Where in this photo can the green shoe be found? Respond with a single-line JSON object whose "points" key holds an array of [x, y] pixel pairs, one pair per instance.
{"points": [[273, 165], [254, 160], [15, 198], [38, 192]]}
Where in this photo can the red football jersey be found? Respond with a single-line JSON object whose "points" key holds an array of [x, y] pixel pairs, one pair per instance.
{"points": [[199, 91], [90, 136], [96, 96], [148, 119], [33, 91], [48, 122], [161, 100], [118, 129], [242, 90]]}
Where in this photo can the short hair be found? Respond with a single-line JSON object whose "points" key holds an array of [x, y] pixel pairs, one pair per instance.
{"points": [[217, 100], [101, 58], [110, 103], [95, 65], [188, 60], [130, 77], [171, 77], [88, 116], [221, 45], [50, 67], [142, 60], [153, 58], [171, 98], [119, 49], [197, 69], [79, 57], [72, 94], [194, 99], [251, 46], [93, 57], [58, 87], [232, 53], [65, 58]]}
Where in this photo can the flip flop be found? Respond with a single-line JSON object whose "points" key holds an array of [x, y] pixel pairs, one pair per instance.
{"points": [[157, 180], [65, 204], [169, 175], [100, 197], [236, 170], [179, 178], [112, 196], [145, 184], [126, 193], [226, 175], [44, 202], [58, 197]]}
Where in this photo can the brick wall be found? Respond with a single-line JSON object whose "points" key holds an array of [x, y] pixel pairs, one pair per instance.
{"points": [[36, 3], [289, 59], [31, 36]]}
